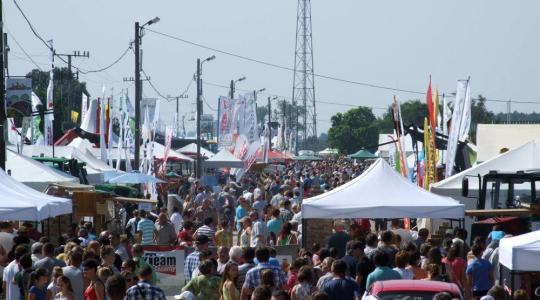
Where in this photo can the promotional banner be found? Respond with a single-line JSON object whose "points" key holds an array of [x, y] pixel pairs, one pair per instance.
{"points": [[84, 107], [246, 143], [168, 263], [168, 140], [48, 138], [461, 121], [50, 92], [225, 119], [19, 95], [102, 128]]}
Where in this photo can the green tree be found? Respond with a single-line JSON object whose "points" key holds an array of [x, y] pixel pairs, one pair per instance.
{"points": [[353, 130], [412, 112], [67, 96], [479, 115]]}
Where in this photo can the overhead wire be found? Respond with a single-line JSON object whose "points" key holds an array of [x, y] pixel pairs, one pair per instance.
{"points": [[34, 31], [329, 77], [22, 49]]}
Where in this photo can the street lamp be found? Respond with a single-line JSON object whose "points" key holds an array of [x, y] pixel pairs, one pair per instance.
{"points": [[233, 83], [138, 88], [255, 92], [199, 113]]}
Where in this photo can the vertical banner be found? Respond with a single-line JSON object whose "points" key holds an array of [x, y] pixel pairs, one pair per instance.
{"points": [[84, 107], [102, 129], [48, 125], [461, 121], [225, 119], [168, 140], [246, 142]]}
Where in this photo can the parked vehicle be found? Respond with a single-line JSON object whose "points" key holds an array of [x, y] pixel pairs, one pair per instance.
{"points": [[411, 290]]}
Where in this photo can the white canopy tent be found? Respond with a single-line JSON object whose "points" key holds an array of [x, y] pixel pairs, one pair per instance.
{"points": [[32, 173], [380, 192], [159, 152], [223, 159], [24, 203], [192, 149], [521, 253]]}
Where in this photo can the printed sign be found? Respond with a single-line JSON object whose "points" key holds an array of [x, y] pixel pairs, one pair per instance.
{"points": [[19, 95], [168, 263]]}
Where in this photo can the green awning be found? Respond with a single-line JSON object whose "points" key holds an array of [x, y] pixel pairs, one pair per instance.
{"points": [[362, 154]]}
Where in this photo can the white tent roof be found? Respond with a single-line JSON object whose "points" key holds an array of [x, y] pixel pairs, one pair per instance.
{"points": [[223, 159], [192, 148], [380, 192], [33, 173], [32, 205], [521, 253], [159, 152], [524, 157]]}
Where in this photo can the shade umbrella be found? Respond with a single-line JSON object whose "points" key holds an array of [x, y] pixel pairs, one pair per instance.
{"points": [[135, 178], [362, 154]]}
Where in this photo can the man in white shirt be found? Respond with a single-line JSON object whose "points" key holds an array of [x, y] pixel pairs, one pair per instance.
{"points": [[132, 223], [11, 288], [176, 219], [406, 236], [259, 231], [74, 273], [6, 236]]}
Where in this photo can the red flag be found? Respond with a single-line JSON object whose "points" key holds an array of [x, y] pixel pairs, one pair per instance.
{"points": [[429, 101]]}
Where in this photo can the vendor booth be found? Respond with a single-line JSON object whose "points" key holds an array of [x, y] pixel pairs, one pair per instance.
{"points": [[380, 192], [223, 159], [521, 255], [32, 173]]}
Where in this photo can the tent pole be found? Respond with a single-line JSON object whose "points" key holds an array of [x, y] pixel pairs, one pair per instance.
{"points": [[500, 274], [304, 231], [512, 284]]}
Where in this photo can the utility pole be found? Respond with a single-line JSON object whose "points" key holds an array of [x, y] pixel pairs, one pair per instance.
{"points": [[6, 52], [183, 96], [84, 54], [199, 112], [2, 96], [231, 90], [138, 93]]}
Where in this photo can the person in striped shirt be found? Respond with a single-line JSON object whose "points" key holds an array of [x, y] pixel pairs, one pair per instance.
{"points": [[146, 229]]}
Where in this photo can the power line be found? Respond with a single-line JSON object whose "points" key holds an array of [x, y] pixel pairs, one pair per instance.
{"points": [[366, 84], [211, 108], [60, 57], [283, 67], [153, 87], [22, 49], [289, 98]]}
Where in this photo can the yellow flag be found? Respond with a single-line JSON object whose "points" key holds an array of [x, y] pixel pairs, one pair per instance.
{"points": [[74, 116]]}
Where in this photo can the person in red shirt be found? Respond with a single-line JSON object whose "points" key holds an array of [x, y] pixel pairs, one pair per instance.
{"points": [[185, 236]]}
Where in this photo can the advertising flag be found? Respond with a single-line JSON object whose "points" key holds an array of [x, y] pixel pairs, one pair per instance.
{"points": [[461, 121]]}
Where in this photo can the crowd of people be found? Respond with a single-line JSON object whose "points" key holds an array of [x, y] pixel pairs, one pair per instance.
{"points": [[244, 222]]}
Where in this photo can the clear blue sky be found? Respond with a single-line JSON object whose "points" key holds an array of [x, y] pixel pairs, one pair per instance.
{"points": [[392, 43]]}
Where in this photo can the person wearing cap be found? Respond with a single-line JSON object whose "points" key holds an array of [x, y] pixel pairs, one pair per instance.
{"points": [[192, 260], [35, 251]]}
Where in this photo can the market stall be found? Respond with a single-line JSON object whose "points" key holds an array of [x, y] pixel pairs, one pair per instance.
{"points": [[223, 159], [380, 192], [521, 254]]}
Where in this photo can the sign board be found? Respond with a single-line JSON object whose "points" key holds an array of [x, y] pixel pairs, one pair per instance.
{"points": [[19, 95], [168, 263]]}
